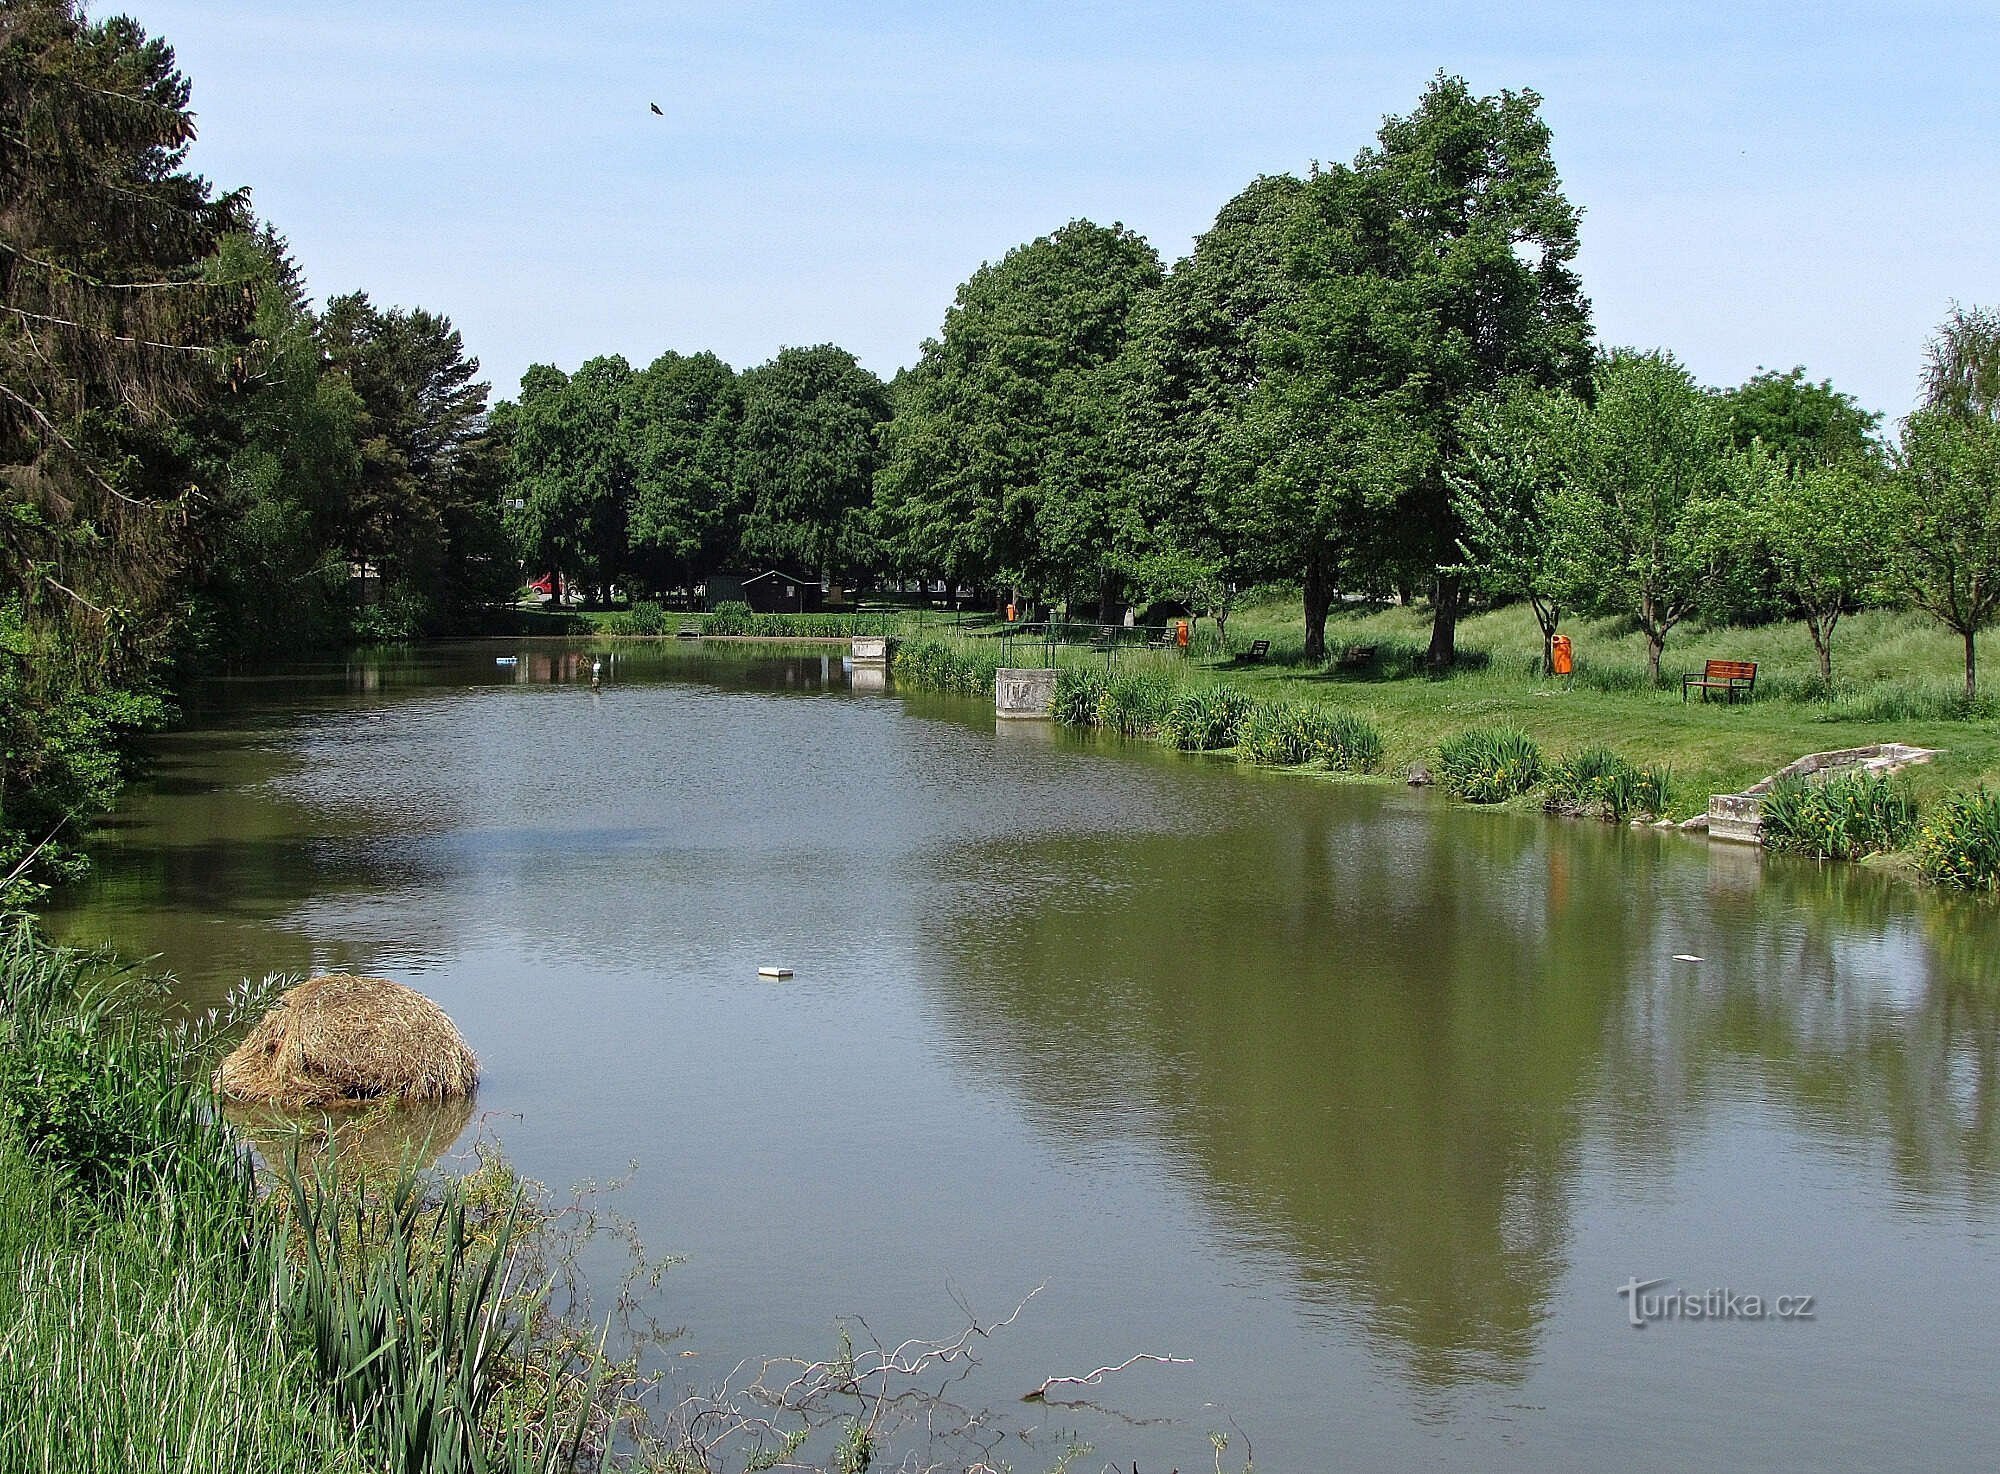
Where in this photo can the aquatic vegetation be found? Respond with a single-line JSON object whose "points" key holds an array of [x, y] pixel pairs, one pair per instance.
{"points": [[1958, 843], [342, 1039], [1842, 817], [1290, 734], [947, 665], [1135, 705], [1598, 781], [1079, 696], [1489, 765], [1205, 718]]}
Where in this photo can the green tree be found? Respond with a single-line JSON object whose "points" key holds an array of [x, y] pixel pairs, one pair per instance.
{"points": [[1645, 496], [1945, 557], [1510, 448], [1962, 363], [685, 516], [116, 321], [806, 456], [1002, 460], [425, 511], [1185, 378], [279, 461], [1470, 229], [1822, 525], [1799, 420], [572, 460]]}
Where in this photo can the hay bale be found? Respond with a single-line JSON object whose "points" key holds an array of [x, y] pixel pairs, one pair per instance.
{"points": [[342, 1040]]}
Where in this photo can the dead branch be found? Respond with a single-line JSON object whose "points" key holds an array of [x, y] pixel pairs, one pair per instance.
{"points": [[1092, 1379]]}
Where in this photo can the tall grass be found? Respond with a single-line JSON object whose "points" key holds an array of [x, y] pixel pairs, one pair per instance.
{"points": [[1598, 781], [1958, 843], [157, 1311], [1205, 718], [1489, 765], [963, 666], [1289, 734], [1839, 818]]}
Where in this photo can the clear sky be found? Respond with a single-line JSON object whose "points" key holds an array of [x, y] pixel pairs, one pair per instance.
{"points": [[1764, 184]]}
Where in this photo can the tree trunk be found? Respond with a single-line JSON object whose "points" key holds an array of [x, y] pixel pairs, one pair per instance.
{"points": [[1970, 667], [1107, 598], [1318, 599], [1656, 645], [1549, 617], [1822, 638], [1450, 592]]}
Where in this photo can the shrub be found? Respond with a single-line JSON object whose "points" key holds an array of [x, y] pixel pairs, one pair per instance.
{"points": [[641, 619], [1959, 842], [1079, 696], [1489, 765], [1205, 718], [731, 618], [1839, 818], [1598, 781], [1279, 733]]}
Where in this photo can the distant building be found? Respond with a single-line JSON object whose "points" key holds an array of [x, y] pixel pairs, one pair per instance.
{"points": [[772, 591]]}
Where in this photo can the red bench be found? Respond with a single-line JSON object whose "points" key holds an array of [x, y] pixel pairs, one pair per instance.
{"points": [[1731, 677]]}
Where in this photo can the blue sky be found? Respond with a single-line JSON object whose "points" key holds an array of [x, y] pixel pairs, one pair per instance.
{"points": [[1763, 184]]}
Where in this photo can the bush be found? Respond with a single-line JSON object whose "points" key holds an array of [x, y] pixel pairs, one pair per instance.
{"points": [[1489, 765], [1959, 842], [1598, 781], [1285, 734], [641, 619], [1204, 719], [731, 618], [1839, 818]]}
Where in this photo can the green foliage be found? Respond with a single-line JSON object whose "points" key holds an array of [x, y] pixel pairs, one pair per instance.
{"points": [[962, 667], [806, 456], [1288, 734], [1945, 555], [1134, 705], [1489, 765], [1823, 526], [1598, 781], [1205, 718], [1079, 697], [643, 618], [1842, 817], [1802, 423], [1000, 459], [1958, 843], [1641, 509]]}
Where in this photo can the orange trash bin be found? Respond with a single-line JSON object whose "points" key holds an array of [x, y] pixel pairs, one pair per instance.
{"points": [[1181, 633], [1561, 655], [1010, 614]]}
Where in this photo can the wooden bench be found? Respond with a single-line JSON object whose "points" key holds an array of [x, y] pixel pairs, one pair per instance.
{"points": [[1731, 677], [1257, 651]]}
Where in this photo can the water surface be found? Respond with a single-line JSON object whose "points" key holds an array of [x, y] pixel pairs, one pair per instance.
{"points": [[1364, 1103]]}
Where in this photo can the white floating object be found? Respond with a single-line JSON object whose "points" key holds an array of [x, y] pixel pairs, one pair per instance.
{"points": [[506, 660], [774, 972], [1685, 957]]}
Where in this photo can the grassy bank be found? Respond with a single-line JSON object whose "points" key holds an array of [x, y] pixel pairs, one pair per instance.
{"points": [[163, 1308], [1603, 740]]}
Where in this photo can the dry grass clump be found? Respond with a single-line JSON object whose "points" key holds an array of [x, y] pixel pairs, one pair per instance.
{"points": [[341, 1039]]}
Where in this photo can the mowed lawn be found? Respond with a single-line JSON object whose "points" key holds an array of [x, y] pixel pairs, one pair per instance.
{"points": [[1897, 678]]}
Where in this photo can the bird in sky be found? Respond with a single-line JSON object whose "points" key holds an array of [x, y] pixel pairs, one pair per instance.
{"points": [[656, 109]]}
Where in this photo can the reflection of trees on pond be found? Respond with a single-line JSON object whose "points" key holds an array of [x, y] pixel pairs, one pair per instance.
{"points": [[1377, 1035]]}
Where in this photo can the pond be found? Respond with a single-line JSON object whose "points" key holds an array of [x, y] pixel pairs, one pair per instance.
{"points": [[1365, 1104]]}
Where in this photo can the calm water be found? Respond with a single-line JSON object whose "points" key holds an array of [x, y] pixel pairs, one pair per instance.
{"points": [[1366, 1104]]}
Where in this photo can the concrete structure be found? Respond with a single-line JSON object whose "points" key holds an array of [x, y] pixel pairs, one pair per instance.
{"points": [[1024, 694], [872, 650], [1739, 817]]}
